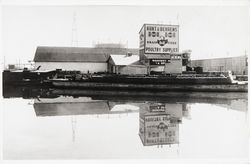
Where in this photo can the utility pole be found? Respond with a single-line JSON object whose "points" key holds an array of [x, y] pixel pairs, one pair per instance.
{"points": [[246, 58], [74, 37], [74, 43], [127, 45], [3, 62], [177, 17], [73, 124]]}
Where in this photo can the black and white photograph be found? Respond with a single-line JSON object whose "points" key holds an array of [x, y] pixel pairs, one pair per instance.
{"points": [[125, 81]]}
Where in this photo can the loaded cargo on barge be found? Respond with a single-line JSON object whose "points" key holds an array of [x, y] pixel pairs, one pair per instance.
{"points": [[213, 82], [194, 82], [158, 64]]}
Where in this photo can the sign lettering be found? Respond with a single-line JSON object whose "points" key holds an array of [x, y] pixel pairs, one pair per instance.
{"points": [[160, 38]]}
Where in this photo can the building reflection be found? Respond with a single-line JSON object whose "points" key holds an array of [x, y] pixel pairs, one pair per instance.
{"points": [[63, 106], [87, 106], [159, 123]]}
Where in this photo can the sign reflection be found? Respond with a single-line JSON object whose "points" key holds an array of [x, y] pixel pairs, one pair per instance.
{"points": [[159, 124]]}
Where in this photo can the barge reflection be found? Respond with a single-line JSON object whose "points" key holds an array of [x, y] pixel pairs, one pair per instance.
{"points": [[231, 100]]}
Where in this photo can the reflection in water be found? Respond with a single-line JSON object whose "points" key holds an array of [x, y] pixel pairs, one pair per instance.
{"points": [[158, 120], [27, 92], [159, 124], [161, 119], [231, 100], [77, 106]]}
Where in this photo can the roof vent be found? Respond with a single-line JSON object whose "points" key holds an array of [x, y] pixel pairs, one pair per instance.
{"points": [[129, 54]]}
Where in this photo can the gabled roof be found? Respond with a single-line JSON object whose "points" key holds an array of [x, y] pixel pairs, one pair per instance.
{"points": [[124, 59], [77, 54]]}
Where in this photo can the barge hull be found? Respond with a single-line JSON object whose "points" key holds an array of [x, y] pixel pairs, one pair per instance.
{"points": [[152, 87]]}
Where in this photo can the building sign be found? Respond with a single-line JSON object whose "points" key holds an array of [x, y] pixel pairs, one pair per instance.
{"points": [[157, 122], [157, 108], [159, 39], [161, 137], [159, 61]]}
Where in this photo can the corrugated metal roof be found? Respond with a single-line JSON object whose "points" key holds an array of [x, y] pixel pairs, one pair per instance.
{"points": [[77, 54], [124, 59]]}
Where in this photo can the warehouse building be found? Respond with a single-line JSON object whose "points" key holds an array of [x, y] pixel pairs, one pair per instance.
{"points": [[158, 53], [238, 65], [126, 64], [74, 58]]}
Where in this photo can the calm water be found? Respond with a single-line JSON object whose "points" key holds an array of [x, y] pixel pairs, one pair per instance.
{"points": [[61, 124]]}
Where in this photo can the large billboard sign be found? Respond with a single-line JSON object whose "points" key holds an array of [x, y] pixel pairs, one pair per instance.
{"points": [[159, 39]]}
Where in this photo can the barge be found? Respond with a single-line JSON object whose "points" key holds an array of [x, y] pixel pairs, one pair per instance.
{"points": [[197, 83], [206, 82], [152, 87], [27, 77]]}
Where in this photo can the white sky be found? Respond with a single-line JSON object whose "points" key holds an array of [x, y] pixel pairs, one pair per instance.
{"points": [[209, 31]]}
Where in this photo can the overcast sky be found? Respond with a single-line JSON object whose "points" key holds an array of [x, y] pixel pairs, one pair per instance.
{"points": [[209, 31]]}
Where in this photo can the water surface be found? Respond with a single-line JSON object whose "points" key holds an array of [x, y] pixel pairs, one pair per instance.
{"points": [[69, 126]]}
